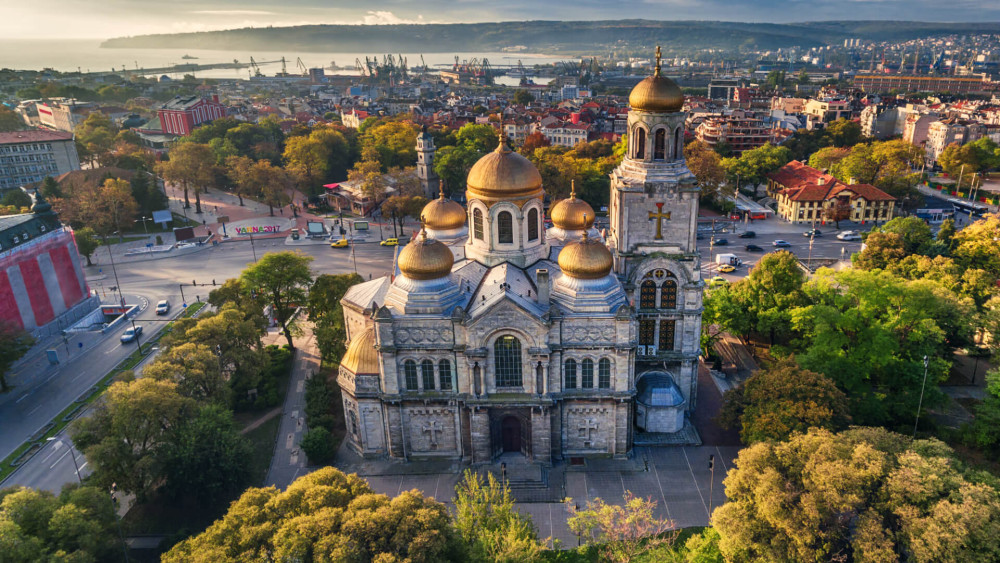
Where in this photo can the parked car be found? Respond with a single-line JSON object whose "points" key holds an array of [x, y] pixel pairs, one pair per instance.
{"points": [[163, 307], [717, 281], [131, 334], [849, 235], [753, 248], [727, 268], [813, 233], [781, 243], [748, 234], [721, 242], [390, 242], [339, 243]]}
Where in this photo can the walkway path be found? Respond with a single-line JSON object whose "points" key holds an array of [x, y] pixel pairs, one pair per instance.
{"points": [[289, 461]]}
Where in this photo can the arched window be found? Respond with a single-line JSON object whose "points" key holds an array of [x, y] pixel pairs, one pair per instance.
{"points": [[505, 227], [571, 374], [410, 372], [668, 295], [532, 224], [604, 373], [679, 143], [427, 374], [660, 145], [507, 361], [477, 223], [587, 374], [647, 295], [444, 375], [640, 143]]}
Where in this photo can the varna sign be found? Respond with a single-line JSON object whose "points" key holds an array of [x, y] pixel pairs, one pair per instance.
{"points": [[257, 230]]}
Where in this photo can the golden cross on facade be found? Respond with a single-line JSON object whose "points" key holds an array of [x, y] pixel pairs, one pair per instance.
{"points": [[659, 216], [656, 70]]}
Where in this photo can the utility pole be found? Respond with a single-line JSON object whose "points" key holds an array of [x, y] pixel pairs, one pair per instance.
{"points": [[921, 402]]}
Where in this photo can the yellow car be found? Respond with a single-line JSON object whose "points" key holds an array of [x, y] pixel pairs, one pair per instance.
{"points": [[717, 281], [727, 268], [342, 243], [390, 242]]}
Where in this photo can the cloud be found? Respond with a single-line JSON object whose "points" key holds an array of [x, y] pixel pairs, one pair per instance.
{"points": [[383, 17], [235, 12]]}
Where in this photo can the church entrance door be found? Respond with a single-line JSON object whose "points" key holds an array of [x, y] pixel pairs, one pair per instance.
{"points": [[510, 429]]}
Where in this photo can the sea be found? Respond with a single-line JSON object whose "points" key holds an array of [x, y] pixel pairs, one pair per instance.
{"points": [[86, 55]]}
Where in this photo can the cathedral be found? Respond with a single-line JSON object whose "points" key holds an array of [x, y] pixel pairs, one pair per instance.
{"points": [[500, 335]]}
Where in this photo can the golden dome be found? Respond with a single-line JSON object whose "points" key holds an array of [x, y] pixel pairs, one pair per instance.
{"points": [[586, 259], [504, 174], [656, 93], [572, 214], [361, 356], [443, 214], [426, 259]]}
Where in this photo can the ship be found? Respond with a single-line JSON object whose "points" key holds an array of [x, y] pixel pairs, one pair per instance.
{"points": [[188, 57]]}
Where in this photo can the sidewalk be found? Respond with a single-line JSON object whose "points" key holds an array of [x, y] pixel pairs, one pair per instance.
{"points": [[288, 461]]}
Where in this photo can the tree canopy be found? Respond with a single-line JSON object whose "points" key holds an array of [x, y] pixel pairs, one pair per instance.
{"points": [[281, 279]]}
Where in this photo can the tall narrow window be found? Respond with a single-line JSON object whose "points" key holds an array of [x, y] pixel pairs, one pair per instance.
{"points": [[477, 223], [604, 373], [354, 422], [646, 329], [667, 335], [533, 224], [571, 374], [507, 362], [647, 295], [505, 227], [410, 372], [587, 374], [660, 145], [668, 295], [427, 374], [444, 375], [679, 144], [640, 143]]}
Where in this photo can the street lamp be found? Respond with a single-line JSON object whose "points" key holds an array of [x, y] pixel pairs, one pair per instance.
{"points": [[111, 257], [921, 402], [811, 249], [71, 455]]}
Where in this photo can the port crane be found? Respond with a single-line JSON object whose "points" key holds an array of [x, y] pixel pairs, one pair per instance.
{"points": [[302, 66], [256, 68]]}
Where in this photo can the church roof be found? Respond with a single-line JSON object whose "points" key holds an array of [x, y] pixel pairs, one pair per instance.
{"points": [[657, 389], [367, 292], [505, 281]]}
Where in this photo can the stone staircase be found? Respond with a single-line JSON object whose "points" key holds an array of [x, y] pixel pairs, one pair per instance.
{"points": [[528, 482]]}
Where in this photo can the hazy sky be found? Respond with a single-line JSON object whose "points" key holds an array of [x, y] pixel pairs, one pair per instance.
{"points": [[112, 18]]}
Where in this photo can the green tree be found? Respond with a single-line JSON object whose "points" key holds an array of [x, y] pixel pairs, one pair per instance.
{"points": [[95, 138], [753, 166], [946, 234], [307, 159], [327, 314], [914, 232], [325, 516], [367, 174], [319, 445], [780, 400], [205, 457], [14, 344], [281, 278], [191, 165], [130, 423], [395, 142], [50, 188], [978, 245], [862, 495], [452, 164], [10, 121], [234, 337], [17, 198], [195, 368], [881, 251], [706, 165], [523, 98], [622, 532], [485, 518], [86, 242]]}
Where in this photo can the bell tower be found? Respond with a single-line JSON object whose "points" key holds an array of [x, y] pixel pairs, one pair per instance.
{"points": [[425, 162], [654, 223]]}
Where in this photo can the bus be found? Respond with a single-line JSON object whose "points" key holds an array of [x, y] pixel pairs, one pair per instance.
{"points": [[970, 207]]}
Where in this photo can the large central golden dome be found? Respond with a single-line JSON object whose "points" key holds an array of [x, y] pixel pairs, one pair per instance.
{"points": [[585, 259], [443, 214], [572, 213], [656, 93], [504, 174], [426, 259]]}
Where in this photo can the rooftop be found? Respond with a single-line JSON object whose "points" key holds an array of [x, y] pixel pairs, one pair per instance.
{"points": [[33, 136]]}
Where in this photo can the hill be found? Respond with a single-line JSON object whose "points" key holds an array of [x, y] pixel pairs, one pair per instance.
{"points": [[550, 36]]}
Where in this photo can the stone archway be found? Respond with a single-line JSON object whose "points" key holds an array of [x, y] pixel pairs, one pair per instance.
{"points": [[510, 432]]}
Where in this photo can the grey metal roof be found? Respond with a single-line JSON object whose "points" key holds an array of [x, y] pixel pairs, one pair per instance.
{"points": [[657, 389], [16, 230], [367, 292], [505, 282]]}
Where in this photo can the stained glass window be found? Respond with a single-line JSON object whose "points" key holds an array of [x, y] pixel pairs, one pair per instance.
{"points": [[647, 295], [477, 224], [668, 295], [533, 224], [646, 329], [667, 335], [507, 361], [410, 372], [505, 227]]}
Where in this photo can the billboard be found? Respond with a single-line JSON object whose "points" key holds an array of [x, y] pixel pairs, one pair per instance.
{"points": [[184, 233]]}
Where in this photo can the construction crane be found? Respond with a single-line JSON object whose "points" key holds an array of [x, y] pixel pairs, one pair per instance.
{"points": [[284, 69], [302, 66], [256, 69]]}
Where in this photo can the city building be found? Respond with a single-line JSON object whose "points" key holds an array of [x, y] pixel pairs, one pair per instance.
{"points": [[917, 125], [740, 130], [181, 115], [950, 131], [62, 114], [891, 83], [722, 88], [42, 285], [29, 156], [499, 336], [425, 163], [827, 110], [566, 134], [807, 195]]}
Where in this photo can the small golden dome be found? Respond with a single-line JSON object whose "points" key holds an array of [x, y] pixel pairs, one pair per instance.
{"points": [[361, 356], [656, 93], [572, 214], [426, 259], [443, 214], [504, 174], [586, 259]]}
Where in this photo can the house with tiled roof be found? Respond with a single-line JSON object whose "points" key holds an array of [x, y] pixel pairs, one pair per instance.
{"points": [[807, 195]]}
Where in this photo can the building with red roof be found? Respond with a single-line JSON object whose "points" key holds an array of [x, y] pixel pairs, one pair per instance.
{"points": [[807, 195]]}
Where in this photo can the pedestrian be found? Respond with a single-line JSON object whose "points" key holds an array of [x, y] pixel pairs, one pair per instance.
{"points": [[281, 210]]}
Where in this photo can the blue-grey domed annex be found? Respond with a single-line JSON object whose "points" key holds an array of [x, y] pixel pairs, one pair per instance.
{"points": [[499, 335]]}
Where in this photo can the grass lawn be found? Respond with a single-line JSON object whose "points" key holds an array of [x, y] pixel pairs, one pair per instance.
{"points": [[126, 238], [263, 439]]}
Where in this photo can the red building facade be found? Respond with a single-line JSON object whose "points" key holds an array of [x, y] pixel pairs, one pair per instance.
{"points": [[182, 114]]}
